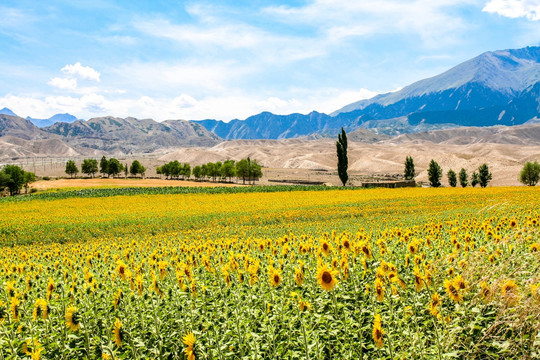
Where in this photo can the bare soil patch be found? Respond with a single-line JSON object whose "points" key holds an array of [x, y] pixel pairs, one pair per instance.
{"points": [[98, 182]]}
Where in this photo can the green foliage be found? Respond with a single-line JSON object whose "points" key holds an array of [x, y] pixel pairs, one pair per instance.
{"points": [[463, 178], [242, 169], [474, 179], [14, 178], [168, 190], [104, 166], [452, 178], [137, 168], [484, 176], [114, 167], [343, 161], [228, 169], [530, 174], [89, 167], [173, 170], [197, 172], [71, 168], [409, 172], [434, 174]]}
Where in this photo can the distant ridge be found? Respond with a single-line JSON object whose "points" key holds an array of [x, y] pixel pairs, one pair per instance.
{"points": [[6, 111], [67, 118], [100, 135], [494, 88]]}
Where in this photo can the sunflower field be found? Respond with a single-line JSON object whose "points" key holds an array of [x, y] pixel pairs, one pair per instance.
{"points": [[284, 274]]}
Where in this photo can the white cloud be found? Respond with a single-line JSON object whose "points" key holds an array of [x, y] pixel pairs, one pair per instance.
{"points": [[428, 19], [191, 76], [183, 106], [63, 83], [209, 35], [83, 72], [529, 9]]}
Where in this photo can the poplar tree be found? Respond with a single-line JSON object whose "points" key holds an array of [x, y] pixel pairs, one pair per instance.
{"points": [[343, 162], [409, 172]]}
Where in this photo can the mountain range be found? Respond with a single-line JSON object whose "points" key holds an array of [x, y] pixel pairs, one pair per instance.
{"points": [[100, 135], [499, 88], [494, 88]]}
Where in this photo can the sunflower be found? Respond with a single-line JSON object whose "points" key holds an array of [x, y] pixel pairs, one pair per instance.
{"points": [[366, 249], [535, 247], [139, 284], [118, 333], [3, 312], [33, 348], [413, 247], [275, 278], [379, 289], [41, 309], [304, 305], [15, 311], [121, 269], [227, 277], [346, 244], [459, 282], [435, 302], [418, 280], [73, 319], [378, 332], [452, 291], [509, 291], [326, 248], [189, 341], [326, 277], [50, 288], [117, 298], [486, 292], [10, 289], [155, 286], [298, 276]]}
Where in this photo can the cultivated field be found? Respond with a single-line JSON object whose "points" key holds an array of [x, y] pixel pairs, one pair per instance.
{"points": [[270, 273]]}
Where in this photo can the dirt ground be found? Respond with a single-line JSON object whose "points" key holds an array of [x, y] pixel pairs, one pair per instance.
{"points": [[98, 182], [312, 161]]}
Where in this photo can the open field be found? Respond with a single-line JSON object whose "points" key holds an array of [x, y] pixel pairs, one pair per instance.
{"points": [[341, 274], [99, 182], [315, 160]]}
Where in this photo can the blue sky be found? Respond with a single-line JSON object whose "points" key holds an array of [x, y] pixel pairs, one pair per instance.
{"points": [[232, 59]]}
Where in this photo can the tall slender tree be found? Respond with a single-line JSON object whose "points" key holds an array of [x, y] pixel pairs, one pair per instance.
{"points": [[463, 177], [434, 174], [484, 176], [343, 161], [409, 173], [452, 178]]}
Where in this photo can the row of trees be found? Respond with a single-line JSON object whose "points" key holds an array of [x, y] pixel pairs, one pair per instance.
{"points": [[246, 169], [14, 179], [110, 167], [481, 177], [529, 175]]}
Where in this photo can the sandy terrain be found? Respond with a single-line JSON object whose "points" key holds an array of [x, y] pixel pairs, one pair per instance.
{"points": [[67, 183], [315, 160]]}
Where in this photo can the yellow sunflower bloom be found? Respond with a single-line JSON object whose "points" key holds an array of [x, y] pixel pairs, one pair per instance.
{"points": [[378, 332], [118, 333], [453, 291], [326, 277], [73, 318]]}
